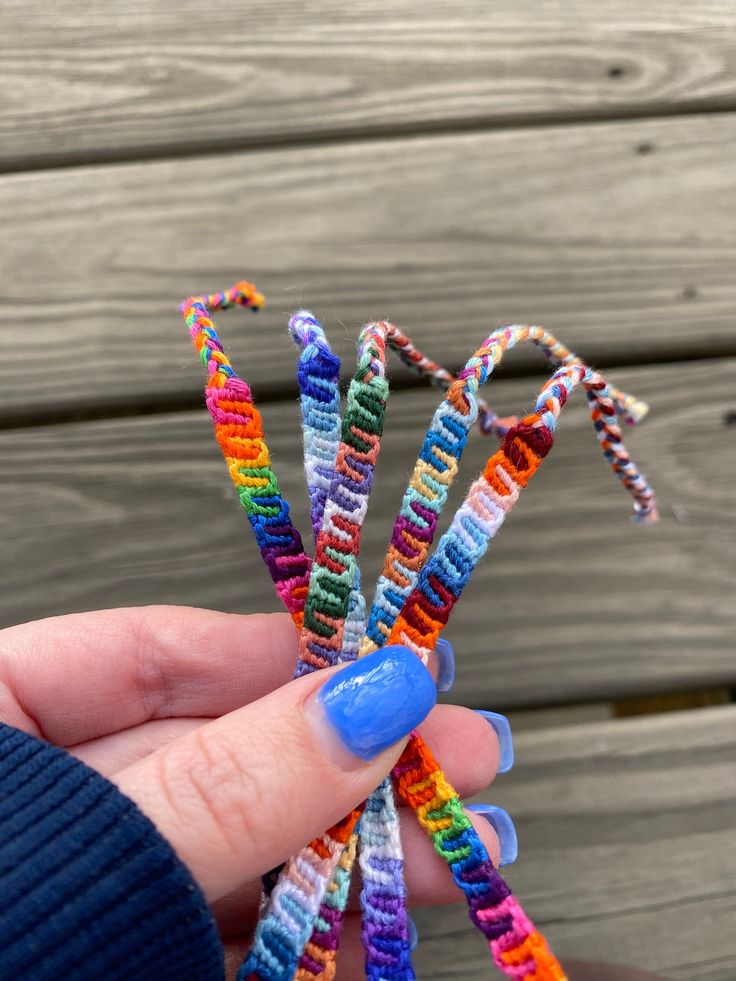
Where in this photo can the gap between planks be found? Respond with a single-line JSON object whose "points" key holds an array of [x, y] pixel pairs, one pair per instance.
{"points": [[385, 132], [585, 605], [66, 413], [76, 82]]}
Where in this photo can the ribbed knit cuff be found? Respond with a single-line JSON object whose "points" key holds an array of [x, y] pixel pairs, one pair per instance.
{"points": [[89, 889]]}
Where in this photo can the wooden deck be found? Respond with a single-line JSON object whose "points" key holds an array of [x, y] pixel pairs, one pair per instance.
{"points": [[474, 164]]}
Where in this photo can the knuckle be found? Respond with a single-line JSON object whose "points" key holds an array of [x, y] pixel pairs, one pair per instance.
{"points": [[149, 665]]}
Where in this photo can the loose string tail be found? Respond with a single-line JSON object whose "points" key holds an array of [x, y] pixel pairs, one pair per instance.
{"points": [[631, 409], [488, 422]]}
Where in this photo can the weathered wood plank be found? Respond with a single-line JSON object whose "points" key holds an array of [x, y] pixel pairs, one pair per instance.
{"points": [[627, 256], [105, 82], [627, 852], [572, 602]]}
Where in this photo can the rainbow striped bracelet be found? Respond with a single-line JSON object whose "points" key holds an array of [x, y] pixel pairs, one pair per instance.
{"points": [[297, 935]]}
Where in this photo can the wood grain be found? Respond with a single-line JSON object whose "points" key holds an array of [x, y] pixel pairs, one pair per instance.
{"points": [[627, 852], [572, 602], [628, 256], [100, 82]]}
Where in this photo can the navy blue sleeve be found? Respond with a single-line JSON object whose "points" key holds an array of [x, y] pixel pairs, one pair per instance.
{"points": [[89, 889]]}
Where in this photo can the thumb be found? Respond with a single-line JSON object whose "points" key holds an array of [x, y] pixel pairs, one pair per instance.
{"points": [[241, 794]]}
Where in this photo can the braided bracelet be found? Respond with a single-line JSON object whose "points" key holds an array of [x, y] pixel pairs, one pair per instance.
{"points": [[379, 848], [340, 495]]}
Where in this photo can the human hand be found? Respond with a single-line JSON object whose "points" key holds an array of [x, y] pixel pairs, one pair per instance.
{"points": [[193, 715]]}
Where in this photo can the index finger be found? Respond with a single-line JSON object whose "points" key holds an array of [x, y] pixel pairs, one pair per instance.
{"points": [[77, 677]]}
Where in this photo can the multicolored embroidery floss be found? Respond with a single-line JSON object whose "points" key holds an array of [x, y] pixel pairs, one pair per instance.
{"points": [[298, 932], [239, 432], [437, 467]]}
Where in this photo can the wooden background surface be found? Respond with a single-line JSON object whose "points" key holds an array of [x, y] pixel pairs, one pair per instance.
{"points": [[477, 163]]}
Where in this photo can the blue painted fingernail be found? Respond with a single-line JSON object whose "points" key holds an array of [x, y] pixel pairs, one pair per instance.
{"points": [[378, 699], [502, 728], [446, 661], [502, 824], [413, 935]]}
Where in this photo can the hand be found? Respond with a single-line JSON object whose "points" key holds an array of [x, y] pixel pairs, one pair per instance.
{"points": [[193, 715]]}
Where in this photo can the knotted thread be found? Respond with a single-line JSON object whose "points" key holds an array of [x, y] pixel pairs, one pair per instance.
{"points": [[298, 932]]}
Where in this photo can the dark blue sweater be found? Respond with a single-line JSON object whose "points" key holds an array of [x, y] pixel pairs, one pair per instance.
{"points": [[89, 890]]}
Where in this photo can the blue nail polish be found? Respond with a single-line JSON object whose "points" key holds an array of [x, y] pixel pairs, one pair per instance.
{"points": [[413, 935], [446, 659], [378, 699], [502, 728], [502, 824]]}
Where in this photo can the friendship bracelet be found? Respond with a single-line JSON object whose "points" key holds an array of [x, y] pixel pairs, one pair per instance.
{"points": [[287, 927], [467, 542], [317, 372], [513, 940], [239, 432], [378, 888], [496, 490], [318, 376], [437, 466], [625, 405], [517, 948], [317, 962], [318, 381], [385, 921]]}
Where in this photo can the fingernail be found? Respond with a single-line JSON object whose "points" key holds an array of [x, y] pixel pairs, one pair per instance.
{"points": [[375, 701], [413, 935], [446, 665], [502, 824], [502, 728]]}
